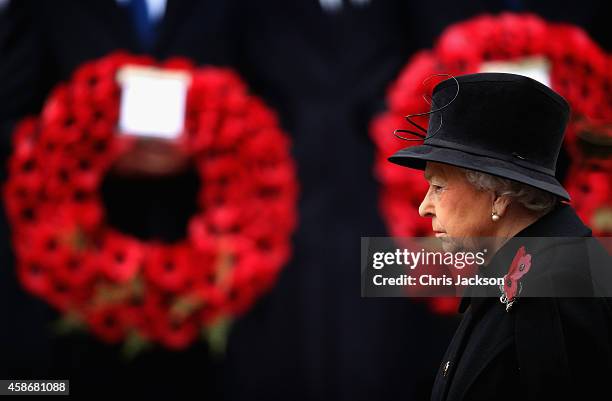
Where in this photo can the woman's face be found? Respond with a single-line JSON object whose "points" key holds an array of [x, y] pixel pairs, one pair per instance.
{"points": [[457, 209]]}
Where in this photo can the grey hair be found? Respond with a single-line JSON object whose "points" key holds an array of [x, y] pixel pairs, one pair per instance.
{"points": [[530, 197]]}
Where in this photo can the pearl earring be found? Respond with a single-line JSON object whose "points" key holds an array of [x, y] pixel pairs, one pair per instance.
{"points": [[495, 216]]}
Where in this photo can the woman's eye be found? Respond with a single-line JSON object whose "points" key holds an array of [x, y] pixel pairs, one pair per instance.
{"points": [[436, 188]]}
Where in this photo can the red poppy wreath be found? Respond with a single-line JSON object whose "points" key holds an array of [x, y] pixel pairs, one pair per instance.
{"points": [[128, 290], [578, 69]]}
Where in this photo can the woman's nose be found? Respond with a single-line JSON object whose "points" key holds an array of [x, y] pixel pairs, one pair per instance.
{"points": [[426, 208]]}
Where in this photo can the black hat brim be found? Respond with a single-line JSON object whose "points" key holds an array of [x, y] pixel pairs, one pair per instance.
{"points": [[417, 156]]}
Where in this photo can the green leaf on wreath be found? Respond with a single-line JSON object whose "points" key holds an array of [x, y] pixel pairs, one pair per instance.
{"points": [[79, 240], [107, 293], [134, 345], [224, 264], [184, 306], [68, 323], [602, 220], [216, 336]]}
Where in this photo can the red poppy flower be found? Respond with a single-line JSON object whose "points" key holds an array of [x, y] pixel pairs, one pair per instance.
{"points": [[108, 322], [44, 242], [213, 304], [239, 294], [60, 295], [176, 334], [170, 267], [34, 276], [224, 219], [590, 190], [518, 268], [444, 305], [75, 269], [120, 258]]}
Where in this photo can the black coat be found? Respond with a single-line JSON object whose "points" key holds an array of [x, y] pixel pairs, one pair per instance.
{"points": [[543, 348]]}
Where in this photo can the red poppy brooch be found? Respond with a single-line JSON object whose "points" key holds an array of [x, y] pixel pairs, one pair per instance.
{"points": [[512, 286]]}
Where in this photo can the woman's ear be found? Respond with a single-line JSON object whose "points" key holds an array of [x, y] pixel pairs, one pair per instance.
{"points": [[500, 204]]}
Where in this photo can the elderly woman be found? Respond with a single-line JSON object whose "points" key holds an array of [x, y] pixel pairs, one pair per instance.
{"points": [[489, 157]]}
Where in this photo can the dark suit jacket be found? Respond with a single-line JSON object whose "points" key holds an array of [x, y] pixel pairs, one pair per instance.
{"points": [[543, 348]]}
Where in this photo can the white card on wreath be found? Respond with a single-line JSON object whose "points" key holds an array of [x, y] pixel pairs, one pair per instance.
{"points": [[537, 68], [152, 102]]}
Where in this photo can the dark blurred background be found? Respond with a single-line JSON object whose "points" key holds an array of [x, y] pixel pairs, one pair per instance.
{"points": [[324, 67]]}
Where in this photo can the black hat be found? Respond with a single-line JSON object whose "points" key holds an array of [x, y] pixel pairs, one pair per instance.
{"points": [[506, 125]]}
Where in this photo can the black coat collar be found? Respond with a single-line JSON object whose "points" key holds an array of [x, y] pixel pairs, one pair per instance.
{"points": [[560, 222]]}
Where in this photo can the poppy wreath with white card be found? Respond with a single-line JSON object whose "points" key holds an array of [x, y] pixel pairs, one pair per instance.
{"points": [[559, 55], [121, 288]]}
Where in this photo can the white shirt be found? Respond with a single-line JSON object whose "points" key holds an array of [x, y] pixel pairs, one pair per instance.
{"points": [[155, 8]]}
